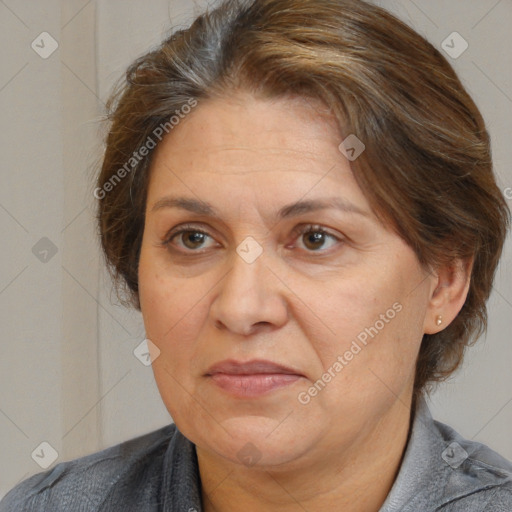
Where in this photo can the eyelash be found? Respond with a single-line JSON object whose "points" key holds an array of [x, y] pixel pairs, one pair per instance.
{"points": [[297, 232]]}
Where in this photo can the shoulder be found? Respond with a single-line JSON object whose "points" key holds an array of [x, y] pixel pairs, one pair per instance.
{"points": [[84, 483], [478, 478], [494, 499], [443, 472]]}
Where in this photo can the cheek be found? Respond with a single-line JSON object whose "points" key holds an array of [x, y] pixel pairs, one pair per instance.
{"points": [[366, 332], [171, 307], [173, 315], [341, 310]]}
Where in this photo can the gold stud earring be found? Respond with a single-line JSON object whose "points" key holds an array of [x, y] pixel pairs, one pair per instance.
{"points": [[439, 320]]}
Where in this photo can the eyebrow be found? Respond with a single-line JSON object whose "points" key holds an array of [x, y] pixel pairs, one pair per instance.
{"points": [[292, 210]]}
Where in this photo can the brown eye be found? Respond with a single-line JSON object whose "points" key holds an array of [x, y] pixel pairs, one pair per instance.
{"points": [[315, 238], [189, 239], [192, 239]]}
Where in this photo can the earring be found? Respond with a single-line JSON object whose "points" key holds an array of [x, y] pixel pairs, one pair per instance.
{"points": [[439, 320]]}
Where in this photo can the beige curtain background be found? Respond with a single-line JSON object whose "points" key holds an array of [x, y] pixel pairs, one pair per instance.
{"points": [[69, 381]]}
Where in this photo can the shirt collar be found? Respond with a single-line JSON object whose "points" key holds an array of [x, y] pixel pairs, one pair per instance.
{"points": [[439, 466], [181, 480]]}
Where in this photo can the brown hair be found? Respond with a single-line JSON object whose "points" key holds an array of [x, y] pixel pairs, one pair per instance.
{"points": [[426, 169]]}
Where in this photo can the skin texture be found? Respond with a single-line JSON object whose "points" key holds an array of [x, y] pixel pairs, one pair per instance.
{"points": [[301, 303]]}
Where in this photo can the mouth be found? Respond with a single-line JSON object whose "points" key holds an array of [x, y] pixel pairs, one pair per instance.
{"points": [[253, 378]]}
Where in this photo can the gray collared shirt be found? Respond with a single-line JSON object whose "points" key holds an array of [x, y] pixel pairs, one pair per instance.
{"points": [[440, 471]]}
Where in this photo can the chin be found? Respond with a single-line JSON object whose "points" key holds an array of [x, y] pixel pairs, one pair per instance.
{"points": [[254, 441]]}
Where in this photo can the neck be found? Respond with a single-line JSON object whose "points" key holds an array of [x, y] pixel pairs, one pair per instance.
{"points": [[354, 478]]}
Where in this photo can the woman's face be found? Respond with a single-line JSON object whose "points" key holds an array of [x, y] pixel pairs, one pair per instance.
{"points": [[280, 259]]}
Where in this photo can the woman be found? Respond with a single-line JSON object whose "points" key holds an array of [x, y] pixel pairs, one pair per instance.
{"points": [[299, 197]]}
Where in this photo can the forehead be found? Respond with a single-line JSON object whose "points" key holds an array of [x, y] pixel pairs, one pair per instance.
{"points": [[279, 149], [228, 127]]}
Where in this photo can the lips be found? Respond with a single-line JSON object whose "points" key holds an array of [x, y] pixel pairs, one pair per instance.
{"points": [[254, 367], [251, 379]]}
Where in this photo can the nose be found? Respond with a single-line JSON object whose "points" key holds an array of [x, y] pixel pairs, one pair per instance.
{"points": [[250, 298]]}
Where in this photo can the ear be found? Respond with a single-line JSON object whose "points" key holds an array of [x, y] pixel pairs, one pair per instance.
{"points": [[448, 294]]}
